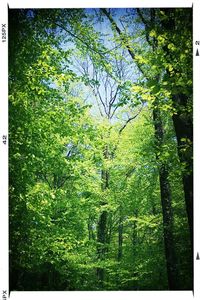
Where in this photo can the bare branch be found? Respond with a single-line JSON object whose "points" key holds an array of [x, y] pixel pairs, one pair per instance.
{"points": [[130, 119], [102, 102], [114, 110]]}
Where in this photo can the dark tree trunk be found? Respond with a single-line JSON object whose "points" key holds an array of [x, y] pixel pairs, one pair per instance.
{"points": [[120, 237], [101, 247], [134, 236], [101, 234], [183, 119], [102, 225], [109, 232], [168, 229], [169, 244], [184, 133]]}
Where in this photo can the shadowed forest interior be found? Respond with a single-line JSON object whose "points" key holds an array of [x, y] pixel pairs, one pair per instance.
{"points": [[100, 149]]}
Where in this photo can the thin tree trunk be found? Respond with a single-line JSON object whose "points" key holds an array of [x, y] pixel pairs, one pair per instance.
{"points": [[101, 240], [134, 231], [109, 232], [120, 236], [102, 226]]}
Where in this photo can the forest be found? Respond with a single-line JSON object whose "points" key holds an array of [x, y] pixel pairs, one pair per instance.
{"points": [[100, 149]]}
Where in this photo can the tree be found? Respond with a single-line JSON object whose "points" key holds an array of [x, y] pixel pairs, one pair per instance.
{"points": [[176, 53]]}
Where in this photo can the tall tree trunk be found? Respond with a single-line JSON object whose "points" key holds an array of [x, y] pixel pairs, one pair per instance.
{"points": [[182, 120], [101, 248], [169, 244], [134, 260], [109, 232], [102, 225], [134, 236], [184, 133], [120, 236]]}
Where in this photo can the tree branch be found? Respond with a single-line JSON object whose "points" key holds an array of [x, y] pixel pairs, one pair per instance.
{"points": [[147, 25], [123, 38], [130, 119]]}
